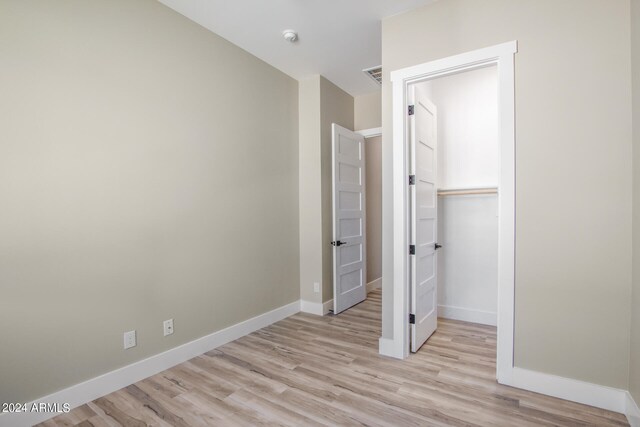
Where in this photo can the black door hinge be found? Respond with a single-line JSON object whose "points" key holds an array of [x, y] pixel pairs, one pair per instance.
{"points": [[412, 180], [411, 110], [412, 319], [412, 249]]}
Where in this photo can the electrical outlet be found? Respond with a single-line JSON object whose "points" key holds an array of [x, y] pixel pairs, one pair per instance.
{"points": [[129, 339], [316, 287], [168, 327]]}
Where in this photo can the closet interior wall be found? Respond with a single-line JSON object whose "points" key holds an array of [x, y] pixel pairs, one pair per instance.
{"points": [[468, 170]]}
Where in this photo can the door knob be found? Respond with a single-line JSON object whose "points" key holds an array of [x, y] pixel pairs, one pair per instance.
{"points": [[437, 246], [338, 243]]}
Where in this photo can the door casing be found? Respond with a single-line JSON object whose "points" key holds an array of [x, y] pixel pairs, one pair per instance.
{"points": [[502, 56]]}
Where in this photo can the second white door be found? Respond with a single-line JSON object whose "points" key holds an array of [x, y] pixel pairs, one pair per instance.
{"points": [[423, 220], [349, 220]]}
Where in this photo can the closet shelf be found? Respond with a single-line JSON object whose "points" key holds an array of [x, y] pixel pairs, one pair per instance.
{"points": [[467, 191]]}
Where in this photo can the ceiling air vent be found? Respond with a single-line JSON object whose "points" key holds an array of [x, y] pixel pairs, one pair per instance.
{"points": [[375, 73]]}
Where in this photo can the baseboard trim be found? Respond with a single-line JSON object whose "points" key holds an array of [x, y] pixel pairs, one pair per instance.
{"points": [[468, 315], [632, 411], [603, 397], [102, 385], [586, 393], [319, 309], [388, 347], [327, 307], [311, 307], [374, 284]]}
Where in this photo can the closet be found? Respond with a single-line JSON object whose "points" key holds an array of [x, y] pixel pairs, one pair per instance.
{"points": [[467, 179]]}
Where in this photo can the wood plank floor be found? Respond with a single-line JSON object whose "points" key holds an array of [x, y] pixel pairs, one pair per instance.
{"points": [[308, 370]]}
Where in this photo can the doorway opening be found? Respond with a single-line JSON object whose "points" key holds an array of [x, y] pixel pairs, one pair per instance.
{"points": [[421, 227], [454, 170]]}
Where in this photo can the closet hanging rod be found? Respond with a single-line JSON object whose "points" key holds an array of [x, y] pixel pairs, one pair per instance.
{"points": [[467, 191]]}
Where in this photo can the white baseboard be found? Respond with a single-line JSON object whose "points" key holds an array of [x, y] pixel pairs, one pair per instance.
{"points": [[632, 411], [609, 398], [599, 396], [327, 306], [388, 347], [468, 315], [604, 397], [319, 309], [102, 385], [374, 284], [311, 307]]}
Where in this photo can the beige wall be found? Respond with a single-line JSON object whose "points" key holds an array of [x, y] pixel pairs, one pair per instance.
{"points": [[373, 172], [336, 106], [310, 189], [321, 104], [634, 363], [368, 111], [573, 169], [136, 186]]}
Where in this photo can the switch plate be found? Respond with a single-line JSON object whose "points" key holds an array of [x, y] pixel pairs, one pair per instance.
{"points": [[129, 339], [316, 287], [168, 327]]}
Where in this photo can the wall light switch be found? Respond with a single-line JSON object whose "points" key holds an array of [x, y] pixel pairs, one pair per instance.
{"points": [[316, 287], [129, 339], [168, 327]]}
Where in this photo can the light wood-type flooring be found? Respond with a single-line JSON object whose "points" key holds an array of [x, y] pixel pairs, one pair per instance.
{"points": [[308, 370]]}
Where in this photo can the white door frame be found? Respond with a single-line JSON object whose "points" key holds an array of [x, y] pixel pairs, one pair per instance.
{"points": [[501, 55]]}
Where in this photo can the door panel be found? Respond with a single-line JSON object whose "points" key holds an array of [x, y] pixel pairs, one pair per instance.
{"points": [[349, 219], [424, 221]]}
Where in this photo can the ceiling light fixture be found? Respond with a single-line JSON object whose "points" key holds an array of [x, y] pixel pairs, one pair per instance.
{"points": [[290, 35]]}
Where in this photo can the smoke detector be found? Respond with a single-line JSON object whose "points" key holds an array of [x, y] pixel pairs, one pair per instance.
{"points": [[290, 35]]}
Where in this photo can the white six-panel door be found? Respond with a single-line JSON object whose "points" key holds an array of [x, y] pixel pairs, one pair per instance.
{"points": [[349, 219], [423, 218]]}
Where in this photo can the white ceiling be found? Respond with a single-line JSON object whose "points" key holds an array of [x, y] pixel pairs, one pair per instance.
{"points": [[337, 38]]}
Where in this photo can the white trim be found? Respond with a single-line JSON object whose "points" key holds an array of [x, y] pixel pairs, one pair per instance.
{"points": [[632, 411], [319, 309], [506, 213], [311, 307], [374, 284], [502, 56], [456, 63], [327, 306], [400, 242], [370, 133], [102, 385], [387, 347], [468, 315], [609, 398]]}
